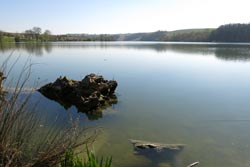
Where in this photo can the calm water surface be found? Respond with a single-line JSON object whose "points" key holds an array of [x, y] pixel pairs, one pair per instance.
{"points": [[191, 93]]}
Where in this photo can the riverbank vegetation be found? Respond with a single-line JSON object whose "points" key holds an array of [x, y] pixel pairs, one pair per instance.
{"points": [[26, 139], [224, 33], [37, 35], [70, 159]]}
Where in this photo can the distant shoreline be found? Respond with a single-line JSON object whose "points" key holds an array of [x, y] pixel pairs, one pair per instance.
{"points": [[235, 33]]}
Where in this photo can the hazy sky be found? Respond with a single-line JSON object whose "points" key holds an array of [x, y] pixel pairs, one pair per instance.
{"points": [[120, 16]]}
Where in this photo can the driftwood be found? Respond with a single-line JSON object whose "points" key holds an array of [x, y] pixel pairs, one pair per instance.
{"points": [[141, 146], [193, 164], [158, 152]]}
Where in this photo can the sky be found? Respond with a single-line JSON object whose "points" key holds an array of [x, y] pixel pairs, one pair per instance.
{"points": [[120, 16]]}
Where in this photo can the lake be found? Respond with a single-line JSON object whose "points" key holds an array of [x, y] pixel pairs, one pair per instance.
{"points": [[197, 94]]}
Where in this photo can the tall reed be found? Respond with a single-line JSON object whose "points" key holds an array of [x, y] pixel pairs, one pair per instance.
{"points": [[22, 140]]}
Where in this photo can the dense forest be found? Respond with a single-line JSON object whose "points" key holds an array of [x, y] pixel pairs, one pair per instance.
{"points": [[231, 33], [224, 33]]}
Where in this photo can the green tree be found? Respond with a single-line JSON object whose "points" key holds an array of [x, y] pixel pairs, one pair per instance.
{"points": [[231, 33], [46, 36], [47, 32], [37, 30]]}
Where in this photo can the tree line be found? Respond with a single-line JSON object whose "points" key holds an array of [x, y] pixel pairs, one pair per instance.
{"points": [[37, 35], [32, 35], [231, 33], [224, 33]]}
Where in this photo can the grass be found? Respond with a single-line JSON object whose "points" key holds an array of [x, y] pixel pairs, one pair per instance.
{"points": [[72, 160], [4, 39], [22, 140]]}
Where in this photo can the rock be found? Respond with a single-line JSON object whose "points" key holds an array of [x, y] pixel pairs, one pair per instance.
{"points": [[89, 94]]}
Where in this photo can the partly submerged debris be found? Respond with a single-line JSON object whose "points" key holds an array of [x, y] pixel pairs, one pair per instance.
{"points": [[157, 153], [91, 93], [141, 146]]}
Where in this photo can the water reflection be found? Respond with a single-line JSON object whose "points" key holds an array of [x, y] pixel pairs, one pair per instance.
{"points": [[91, 115], [37, 49], [166, 158], [233, 52], [239, 53]]}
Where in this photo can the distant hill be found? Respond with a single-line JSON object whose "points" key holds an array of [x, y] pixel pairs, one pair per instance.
{"points": [[191, 35], [152, 36], [225, 33]]}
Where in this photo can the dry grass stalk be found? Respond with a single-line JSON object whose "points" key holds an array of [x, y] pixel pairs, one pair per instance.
{"points": [[22, 140]]}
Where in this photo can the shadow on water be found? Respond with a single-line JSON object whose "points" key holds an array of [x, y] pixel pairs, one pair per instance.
{"points": [[91, 115], [167, 159], [228, 52], [158, 154], [37, 49], [223, 51]]}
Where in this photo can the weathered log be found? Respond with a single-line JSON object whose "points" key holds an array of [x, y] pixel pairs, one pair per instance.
{"points": [[141, 146]]}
